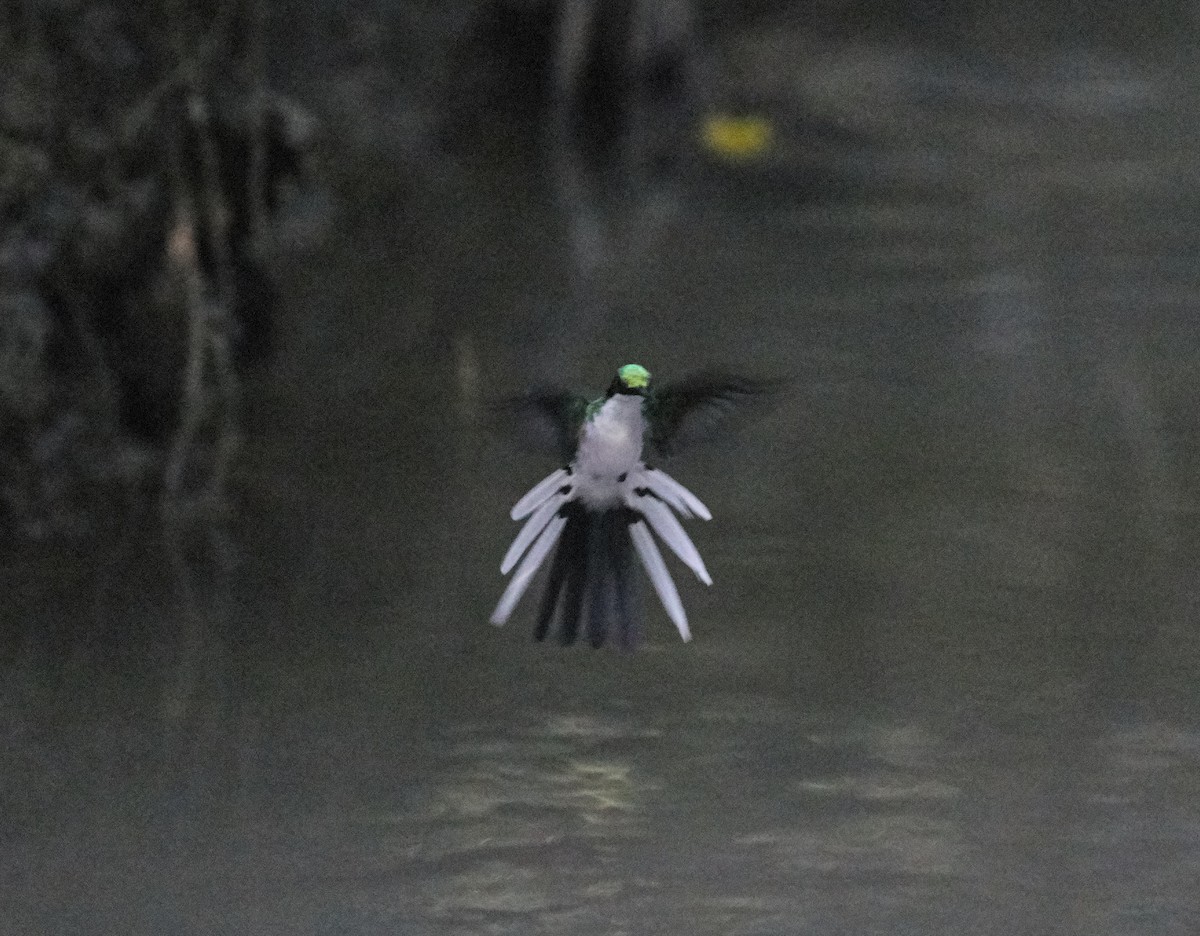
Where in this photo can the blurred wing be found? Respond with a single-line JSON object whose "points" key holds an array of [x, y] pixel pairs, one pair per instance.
{"points": [[545, 420], [697, 408]]}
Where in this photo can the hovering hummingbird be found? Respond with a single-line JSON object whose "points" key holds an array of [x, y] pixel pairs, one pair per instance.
{"points": [[602, 506]]}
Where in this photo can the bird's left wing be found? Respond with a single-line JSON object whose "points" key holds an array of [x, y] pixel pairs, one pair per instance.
{"points": [[546, 420], [697, 408]]}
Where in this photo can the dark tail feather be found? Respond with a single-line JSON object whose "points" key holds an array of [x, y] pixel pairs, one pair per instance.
{"points": [[593, 574], [569, 556], [576, 584], [626, 608], [601, 595], [574, 557]]}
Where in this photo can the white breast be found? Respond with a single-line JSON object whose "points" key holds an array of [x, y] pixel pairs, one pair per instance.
{"points": [[610, 446]]}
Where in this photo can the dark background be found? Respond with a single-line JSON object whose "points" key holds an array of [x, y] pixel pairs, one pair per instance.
{"points": [[945, 679]]}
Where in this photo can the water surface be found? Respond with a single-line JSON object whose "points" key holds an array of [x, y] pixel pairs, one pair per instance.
{"points": [[943, 681]]}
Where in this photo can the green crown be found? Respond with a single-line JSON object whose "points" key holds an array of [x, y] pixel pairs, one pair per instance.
{"points": [[634, 376]]}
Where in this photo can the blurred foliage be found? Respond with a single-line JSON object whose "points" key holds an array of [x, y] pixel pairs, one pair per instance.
{"points": [[142, 158]]}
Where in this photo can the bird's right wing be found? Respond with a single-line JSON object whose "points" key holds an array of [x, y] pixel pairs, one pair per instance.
{"points": [[545, 420]]}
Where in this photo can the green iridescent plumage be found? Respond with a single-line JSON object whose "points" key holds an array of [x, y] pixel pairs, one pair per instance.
{"points": [[679, 414]]}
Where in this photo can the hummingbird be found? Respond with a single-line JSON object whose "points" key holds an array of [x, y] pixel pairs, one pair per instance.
{"points": [[606, 504]]}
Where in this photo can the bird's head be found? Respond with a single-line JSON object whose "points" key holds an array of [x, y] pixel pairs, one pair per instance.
{"points": [[631, 379]]}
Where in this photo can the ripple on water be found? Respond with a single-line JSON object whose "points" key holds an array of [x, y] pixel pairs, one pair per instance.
{"points": [[901, 844]]}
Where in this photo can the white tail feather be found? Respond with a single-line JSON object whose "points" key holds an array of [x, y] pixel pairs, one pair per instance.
{"points": [[529, 565], [533, 526], [664, 523], [652, 560], [539, 493], [674, 493]]}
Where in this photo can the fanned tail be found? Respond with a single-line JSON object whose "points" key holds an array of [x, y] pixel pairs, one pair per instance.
{"points": [[627, 609], [650, 497], [556, 482], [592, 583], [525, 571], [545, 505], [667, 489], [660, 578]]}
